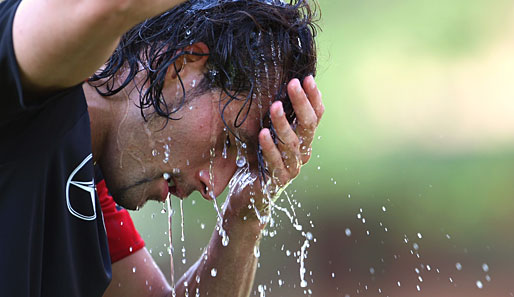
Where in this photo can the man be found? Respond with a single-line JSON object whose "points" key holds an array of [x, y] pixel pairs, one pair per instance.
{"points": [[189, 99]]}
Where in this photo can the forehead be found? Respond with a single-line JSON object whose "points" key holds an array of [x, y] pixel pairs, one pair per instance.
{"points": [[246, 123]]}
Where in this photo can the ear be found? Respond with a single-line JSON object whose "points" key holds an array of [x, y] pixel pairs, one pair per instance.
{"points": [[195, 59]]}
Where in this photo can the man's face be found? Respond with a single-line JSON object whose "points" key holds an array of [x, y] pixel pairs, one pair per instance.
{"points": [[196, 151]]}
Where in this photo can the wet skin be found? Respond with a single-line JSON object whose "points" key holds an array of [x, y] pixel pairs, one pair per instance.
{"points": [[123, 145], [134, 154]]}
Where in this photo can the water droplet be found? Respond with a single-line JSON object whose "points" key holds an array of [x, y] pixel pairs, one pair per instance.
{"points": [[225, 239], [485, 267], [303, 283], [166, 153], [480, 285], [309, 236], [372, 270], [256, 252], [348, 232], [384, 208], [333, 275], [458, 266], [419, 235], [134, 269], [214, 272], [155, 152], [240, 159], [130, 249]]}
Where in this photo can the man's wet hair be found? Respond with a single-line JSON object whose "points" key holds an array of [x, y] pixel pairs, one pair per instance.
{"points": [[255, 48]]}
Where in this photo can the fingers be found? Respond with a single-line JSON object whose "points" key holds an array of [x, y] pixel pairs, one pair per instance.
{"points": [[289, 144], [285, 158], [314, 96], [273, 158], [309, 109], [305, 114]]}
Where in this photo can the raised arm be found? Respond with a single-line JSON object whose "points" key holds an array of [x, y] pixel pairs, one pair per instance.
{"points": [[59, 43]]}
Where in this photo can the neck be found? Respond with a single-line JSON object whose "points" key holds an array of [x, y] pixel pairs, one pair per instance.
{"points": [[100, 117]]}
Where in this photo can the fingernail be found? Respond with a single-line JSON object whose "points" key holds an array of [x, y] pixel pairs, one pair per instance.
{"points": [[280, 111]]}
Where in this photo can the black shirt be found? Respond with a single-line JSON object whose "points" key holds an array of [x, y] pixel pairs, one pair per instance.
{"points": [[52, 236]]}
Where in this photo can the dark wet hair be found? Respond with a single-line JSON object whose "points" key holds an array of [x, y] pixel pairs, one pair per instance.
{"points": [[255, 48]]}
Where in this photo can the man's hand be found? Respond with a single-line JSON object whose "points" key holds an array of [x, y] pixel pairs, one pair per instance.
{"points": [[284, 159]]}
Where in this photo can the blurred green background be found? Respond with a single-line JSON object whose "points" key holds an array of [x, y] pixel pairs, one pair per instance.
{"points": [[411, 186]]}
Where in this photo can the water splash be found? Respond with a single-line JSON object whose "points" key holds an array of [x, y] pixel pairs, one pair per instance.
{"points": [[224, 153], [166, 148], [222, 233], [303, 256], [182, 238], [172, 267]]}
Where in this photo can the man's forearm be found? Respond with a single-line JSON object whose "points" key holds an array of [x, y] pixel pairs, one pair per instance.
{"points": [[225, 270], [73, 38]]}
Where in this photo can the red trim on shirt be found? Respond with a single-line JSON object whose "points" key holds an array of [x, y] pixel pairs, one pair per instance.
{"points": [[122, 236]]}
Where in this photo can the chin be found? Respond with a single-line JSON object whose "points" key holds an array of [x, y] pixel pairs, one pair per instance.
{"points": [[126, 202]]}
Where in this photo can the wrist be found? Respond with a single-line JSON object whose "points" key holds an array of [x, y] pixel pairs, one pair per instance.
{"points": [[249, 220]]}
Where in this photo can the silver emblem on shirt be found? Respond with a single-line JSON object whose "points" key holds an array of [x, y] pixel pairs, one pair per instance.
{"points": [[79, 192]]}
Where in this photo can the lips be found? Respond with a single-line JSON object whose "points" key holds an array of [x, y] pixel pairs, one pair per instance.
{"points": [[164, 190], [171, 186]]}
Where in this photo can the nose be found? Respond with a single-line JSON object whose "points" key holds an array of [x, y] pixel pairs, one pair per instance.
{"points": [[213, 186]]}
